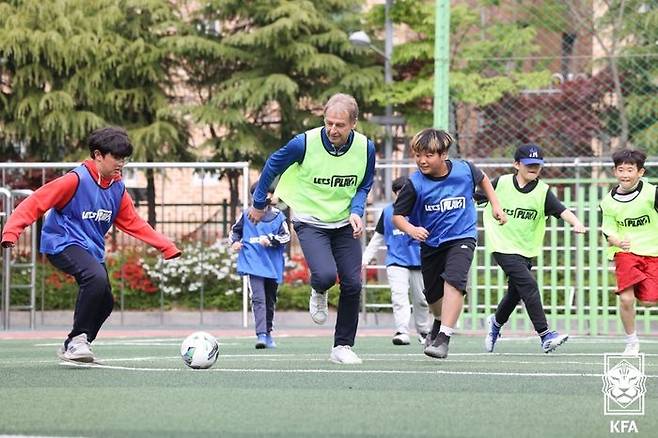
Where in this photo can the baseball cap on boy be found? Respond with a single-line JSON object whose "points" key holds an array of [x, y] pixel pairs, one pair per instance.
{"points": [[529, 154]]}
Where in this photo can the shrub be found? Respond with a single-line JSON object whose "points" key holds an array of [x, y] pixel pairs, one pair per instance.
{"points": [[200, 267]]}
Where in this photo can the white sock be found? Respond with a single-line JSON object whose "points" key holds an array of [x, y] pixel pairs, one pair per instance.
{"points": [[448, 331], [631, 339]]}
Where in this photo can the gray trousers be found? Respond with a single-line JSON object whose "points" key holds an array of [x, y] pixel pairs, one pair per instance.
{"points": [[263, 298]]}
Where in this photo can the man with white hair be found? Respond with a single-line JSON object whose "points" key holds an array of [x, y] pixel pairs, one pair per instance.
{"points": [[327, 173]]}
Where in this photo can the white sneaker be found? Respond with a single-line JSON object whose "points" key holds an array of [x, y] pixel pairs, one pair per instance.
{"points": [[343, 354], [78, 350], [401, 339], [493, 333], [318, 307], [632, 349]]}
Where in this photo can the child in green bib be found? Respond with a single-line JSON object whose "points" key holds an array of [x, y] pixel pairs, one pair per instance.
{"points": [[630, 225], [527, 201]]}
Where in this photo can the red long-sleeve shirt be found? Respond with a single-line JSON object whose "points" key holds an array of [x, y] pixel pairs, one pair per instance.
{"points": [[58, 193]]}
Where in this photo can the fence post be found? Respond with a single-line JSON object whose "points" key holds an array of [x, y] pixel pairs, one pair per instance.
{"points": [[593, 262], [580, 265]]}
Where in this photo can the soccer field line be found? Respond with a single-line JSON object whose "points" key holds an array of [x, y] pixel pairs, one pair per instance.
{"points": [[503, 358], [337, 371], [140, 343], [175, 342], [412, 358]]}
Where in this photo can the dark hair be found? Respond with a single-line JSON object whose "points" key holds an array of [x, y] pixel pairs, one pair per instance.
{"points": [[112, 140], [431, 140], [629, 156], [398, 183]]}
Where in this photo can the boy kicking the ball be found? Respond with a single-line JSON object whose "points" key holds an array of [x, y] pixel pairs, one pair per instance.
{"points": [[80, 209]]}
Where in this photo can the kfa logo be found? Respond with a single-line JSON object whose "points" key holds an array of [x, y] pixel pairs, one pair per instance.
{"points": [[635, 221], [624, 384], [99, 215], [337, 181], [447, 204]]}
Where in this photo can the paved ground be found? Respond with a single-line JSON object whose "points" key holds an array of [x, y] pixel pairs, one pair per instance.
{"points": [[55, 324]]}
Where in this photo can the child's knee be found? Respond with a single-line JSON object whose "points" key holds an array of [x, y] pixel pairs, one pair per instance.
{"points": [[627, 298]]}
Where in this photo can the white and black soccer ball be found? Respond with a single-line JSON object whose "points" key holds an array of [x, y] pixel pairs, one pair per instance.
{"points": [[199, 350]]}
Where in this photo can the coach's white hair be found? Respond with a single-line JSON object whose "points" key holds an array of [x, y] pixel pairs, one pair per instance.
{"points": [[344, 102]]}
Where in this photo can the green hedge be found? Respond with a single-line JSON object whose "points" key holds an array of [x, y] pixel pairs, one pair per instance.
{"points": [[60, 292]]}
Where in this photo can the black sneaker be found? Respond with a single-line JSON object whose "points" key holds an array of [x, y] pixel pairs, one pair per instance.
{"points": [[439, 347]]}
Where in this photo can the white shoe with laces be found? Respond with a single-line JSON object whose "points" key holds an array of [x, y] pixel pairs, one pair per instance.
{"points": [[78, 350], [343, 354], [318, 307], [632, 349]]}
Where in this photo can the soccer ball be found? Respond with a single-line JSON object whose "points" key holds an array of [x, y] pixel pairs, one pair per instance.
{"points": [[199, 350]]}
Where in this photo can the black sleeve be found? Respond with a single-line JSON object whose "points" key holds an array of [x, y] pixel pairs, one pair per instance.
{"points": [[406, 200], [380, 224], [655, 201], [553, 206], [479, 195], [237, 229], [478, 175]]}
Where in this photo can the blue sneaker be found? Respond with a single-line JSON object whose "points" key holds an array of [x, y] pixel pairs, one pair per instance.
{"points": [[269, 341], [492, 334], [261, 342], [551, 340]]}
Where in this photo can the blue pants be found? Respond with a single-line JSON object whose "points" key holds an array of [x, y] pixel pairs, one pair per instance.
{"points": [[263, 299], [95, 301], [329, 252]]}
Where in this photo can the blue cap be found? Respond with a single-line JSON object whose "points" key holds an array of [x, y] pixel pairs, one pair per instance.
{"points": [[529, 154]]}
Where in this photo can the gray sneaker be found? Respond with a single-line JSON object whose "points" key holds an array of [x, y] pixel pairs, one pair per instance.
{"points": [[439, 347], [78, 350]]}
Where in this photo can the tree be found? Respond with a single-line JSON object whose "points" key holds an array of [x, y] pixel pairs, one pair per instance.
{"points": [[486, 59], [639, 70], [261, 71], [70, 66], [606, 29], [562, 121]]}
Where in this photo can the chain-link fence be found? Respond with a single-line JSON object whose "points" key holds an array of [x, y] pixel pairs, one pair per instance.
{"points": [[579, 78], [591, 71]]}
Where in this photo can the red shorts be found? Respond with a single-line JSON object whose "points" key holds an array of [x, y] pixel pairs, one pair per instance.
{"points": [[639, 272]]}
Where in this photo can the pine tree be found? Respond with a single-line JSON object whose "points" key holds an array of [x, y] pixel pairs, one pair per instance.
{"points": [[70, 66], [262, 70]]}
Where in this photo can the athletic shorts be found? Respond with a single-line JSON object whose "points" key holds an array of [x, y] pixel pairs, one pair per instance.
{"points": [[639, 272], [450, 263]]}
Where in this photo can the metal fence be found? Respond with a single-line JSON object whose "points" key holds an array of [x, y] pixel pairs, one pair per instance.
{"points": [[190, 201], [575, 278], [576, 77]]}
